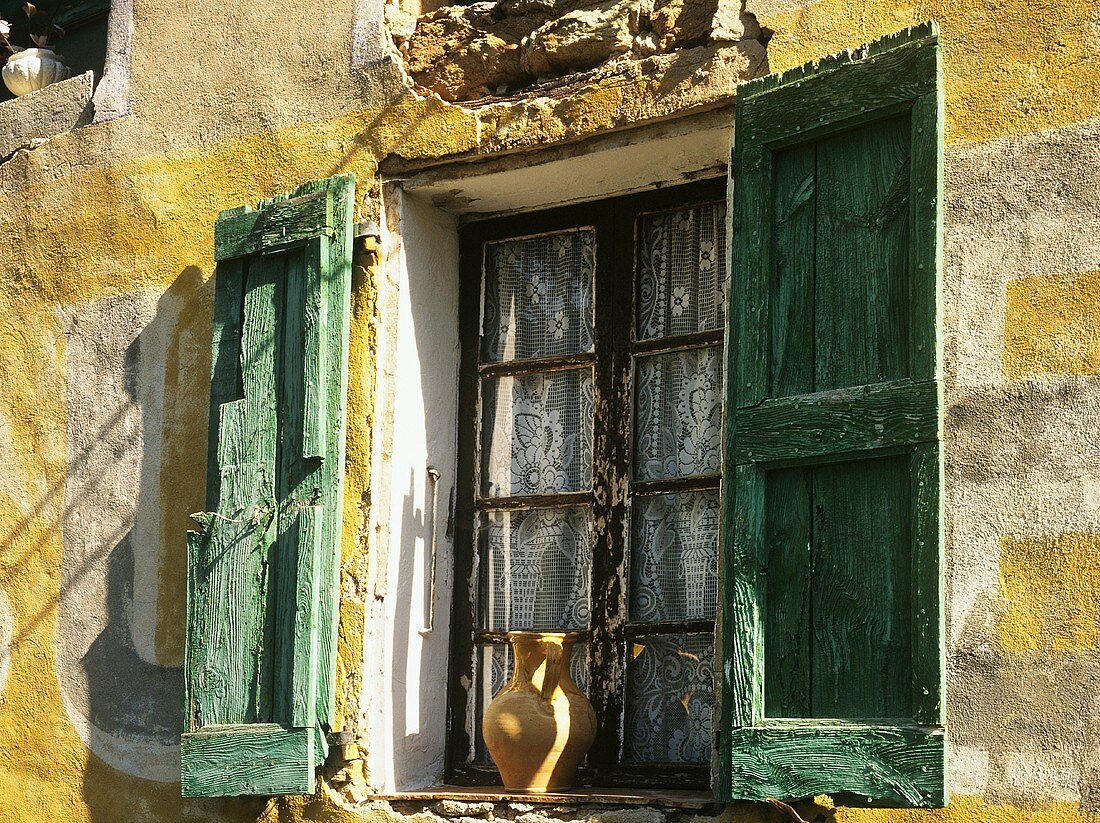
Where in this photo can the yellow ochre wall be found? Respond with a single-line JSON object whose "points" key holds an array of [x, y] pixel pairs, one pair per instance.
{"points": [[105, 303]]}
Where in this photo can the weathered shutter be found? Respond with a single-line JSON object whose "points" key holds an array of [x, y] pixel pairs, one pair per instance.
{"points": [[262, 578], [832, 627]]}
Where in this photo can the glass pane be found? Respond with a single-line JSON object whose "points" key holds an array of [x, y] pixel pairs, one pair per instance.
{"points": [[670, 699], [538, 567], [674, 556], [494, 669], [682, 272], [678, 418], [537, 433], [538, 296]]}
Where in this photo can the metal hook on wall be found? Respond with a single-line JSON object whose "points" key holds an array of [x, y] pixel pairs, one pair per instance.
{"points": [[429, 619]]}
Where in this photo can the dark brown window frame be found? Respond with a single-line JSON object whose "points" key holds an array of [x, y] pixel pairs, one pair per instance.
{"points": [[614, 221]]}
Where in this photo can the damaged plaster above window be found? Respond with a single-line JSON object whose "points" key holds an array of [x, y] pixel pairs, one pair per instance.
{"points": [[470, 52]]}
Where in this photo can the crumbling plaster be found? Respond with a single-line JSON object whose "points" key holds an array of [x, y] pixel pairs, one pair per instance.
{"points": [[103, 225]]}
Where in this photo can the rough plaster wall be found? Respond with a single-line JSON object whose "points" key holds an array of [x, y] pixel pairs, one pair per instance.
{"points": [[1023, 474]]}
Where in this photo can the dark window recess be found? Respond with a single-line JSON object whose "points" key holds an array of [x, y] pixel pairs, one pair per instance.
{"points": [[84, 43], [591, 458]]}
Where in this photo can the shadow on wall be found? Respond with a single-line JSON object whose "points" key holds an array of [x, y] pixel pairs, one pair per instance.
{"points": [[138, 369]]}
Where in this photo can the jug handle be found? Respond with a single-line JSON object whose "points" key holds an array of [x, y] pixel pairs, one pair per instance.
{"points": [[552, 672]]}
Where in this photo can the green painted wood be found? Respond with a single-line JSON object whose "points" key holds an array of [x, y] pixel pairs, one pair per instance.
{"points": [[744, 579], [927, 582], [788, 651], [832, 576], [837, 422], [792, 284], [335, 274], [229, 680], [253, 759], [861, 614], [262, 578], [861, 316], [926, 249], [885, 765], [283, 223]]}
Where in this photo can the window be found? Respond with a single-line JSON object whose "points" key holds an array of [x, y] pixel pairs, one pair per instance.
{"points": [[583, 335], [592, 452]]}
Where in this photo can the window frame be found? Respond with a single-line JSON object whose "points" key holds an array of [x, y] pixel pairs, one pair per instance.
{"points": [[614, 222]]}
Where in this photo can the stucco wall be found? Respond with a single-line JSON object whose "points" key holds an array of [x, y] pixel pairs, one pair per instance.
{"points": [[104, 362]]}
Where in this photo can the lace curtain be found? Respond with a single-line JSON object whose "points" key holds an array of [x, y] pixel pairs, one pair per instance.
{"points": [[678, 419], [673, 557], [538, 296], [539, 566], [682, 272], [670, 699], [537, 433]]}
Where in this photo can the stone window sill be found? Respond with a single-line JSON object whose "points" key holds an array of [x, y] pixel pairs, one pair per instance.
{"points": [[667, 798], [29, 120]]}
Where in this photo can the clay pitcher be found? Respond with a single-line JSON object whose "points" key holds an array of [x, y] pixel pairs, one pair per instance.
{"points": [[540, 725]]}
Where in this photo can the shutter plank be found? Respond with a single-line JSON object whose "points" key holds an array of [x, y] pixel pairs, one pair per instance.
{"points": [[838, 422], [861, 318], [233, 570], [861, 604], [788, 653], [926, 248], [926, 496], [792, 284], [895, 766], [253, 759]]}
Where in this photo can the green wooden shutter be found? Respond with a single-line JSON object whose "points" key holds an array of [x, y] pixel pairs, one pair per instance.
{"points": [[832, 614], [262, 603]]}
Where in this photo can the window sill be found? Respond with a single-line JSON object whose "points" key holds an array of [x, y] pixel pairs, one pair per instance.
{"points": [[667, 798], [60, 107]]}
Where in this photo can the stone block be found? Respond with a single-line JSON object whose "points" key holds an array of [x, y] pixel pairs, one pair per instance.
{"points": [[27, 120]]}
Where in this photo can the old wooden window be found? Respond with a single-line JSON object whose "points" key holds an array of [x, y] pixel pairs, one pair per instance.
{"points": [[591, 457]]}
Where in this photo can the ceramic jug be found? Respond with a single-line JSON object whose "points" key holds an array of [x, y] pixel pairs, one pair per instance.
{"points": [[540, 725]]}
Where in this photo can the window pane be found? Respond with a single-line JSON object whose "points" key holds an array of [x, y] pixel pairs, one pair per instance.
{"points": [[678, 418], [537, 433], [682, 272], [673, 556], [538, 296], [538, 567], [670, 699], [494, 669]]}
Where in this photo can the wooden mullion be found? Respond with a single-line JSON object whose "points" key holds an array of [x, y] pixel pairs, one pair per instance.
{"points": [[675, 485], [661, 345], [666, 627], [537, 365], [611, 466], [534, 501], [462, 685]]}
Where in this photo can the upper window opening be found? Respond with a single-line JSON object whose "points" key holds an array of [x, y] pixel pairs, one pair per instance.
{"points": [[78, 32]]}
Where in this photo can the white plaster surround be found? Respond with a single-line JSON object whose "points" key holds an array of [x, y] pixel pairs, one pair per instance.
{"points": [[405, 694]]}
